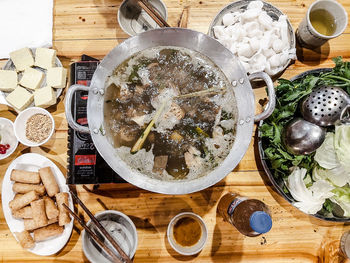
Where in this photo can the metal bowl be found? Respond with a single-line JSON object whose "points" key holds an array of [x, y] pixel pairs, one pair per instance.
{"points": [[134, 20], [279, 183], [183, 38], [241, 6]]}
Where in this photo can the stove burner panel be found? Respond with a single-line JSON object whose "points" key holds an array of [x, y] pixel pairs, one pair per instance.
{"points": [[85, 165]]}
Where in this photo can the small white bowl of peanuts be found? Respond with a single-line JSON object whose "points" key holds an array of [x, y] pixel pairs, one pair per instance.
{"points": [[34, 126]]}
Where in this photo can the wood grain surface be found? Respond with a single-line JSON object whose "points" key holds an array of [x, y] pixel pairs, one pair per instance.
{"points": [[90, 27]]}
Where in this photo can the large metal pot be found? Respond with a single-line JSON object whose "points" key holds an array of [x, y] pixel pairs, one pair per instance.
{"points": [[193, 40]]}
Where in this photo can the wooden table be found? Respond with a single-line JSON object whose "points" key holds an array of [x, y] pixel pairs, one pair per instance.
{"points": [[90, 27]]}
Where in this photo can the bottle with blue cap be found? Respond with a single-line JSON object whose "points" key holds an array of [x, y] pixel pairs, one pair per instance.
{"points": [[251, 217]]}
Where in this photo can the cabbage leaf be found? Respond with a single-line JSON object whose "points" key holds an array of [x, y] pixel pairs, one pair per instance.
{"points": [[325, 155], [309, 200], [342, 145], [337, 176], [342, 198]]}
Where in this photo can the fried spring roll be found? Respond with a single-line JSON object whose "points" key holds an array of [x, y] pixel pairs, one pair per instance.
{"points": [[22, 176], [50, 208], [63, 217], [25, 212], [25, 188], [30, 225], [47, 232], [23, 200], [17, 196], [25, 239], [49, 181], [39, 214]]}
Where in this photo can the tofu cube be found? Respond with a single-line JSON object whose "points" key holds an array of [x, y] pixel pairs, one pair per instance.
{"points": [[20, 98], [45, 58], [56, 77], [22, 58], [44, 97], [32, 78], [8, 80]]}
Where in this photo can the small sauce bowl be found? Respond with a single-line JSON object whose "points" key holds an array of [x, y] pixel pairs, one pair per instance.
{"points": [[178, 224], [21, 123]]}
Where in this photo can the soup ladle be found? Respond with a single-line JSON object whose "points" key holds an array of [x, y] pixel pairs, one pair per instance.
{"points": [[301, 137]]}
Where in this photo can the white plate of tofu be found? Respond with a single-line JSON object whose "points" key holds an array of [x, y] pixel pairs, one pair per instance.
{"points": [[32, 77], [50, 238]]}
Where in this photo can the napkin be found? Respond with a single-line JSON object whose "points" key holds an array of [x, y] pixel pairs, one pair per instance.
{"points": [[25, 23]]}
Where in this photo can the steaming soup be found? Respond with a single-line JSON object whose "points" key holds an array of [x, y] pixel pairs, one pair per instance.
{"points": [[189, 100]]}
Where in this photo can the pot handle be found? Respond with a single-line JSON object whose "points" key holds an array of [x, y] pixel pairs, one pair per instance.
{"points": [[68, 108], [270, 93]]}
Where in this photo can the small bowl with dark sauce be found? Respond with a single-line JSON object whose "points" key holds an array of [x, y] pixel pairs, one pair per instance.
{"points": [[187, 233]]}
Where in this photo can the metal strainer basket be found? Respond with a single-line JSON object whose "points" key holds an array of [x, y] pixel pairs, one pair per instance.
{"points": [[324, 105]]}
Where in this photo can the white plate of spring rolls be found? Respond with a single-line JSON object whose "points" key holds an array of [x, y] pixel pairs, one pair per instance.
{"points": [[39, 242]]}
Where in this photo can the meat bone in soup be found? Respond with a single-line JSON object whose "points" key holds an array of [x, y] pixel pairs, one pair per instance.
{"points": [[195, 127]]}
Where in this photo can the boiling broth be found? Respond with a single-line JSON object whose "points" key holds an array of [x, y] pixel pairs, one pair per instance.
{"points": [[193, 135]]}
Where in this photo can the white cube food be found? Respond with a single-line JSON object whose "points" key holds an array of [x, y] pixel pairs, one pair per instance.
{"points": [[45, 58], [20, 98], [44, 97], [32, 78], [22, 58], [8, 80], [56, 77]]}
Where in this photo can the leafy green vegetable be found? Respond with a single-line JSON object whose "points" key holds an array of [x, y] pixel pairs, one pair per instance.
{"points": [[342, 198], [134, 75], [328, 205], [288, 96]]}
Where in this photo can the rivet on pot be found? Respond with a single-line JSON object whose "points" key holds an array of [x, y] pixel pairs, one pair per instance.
{"points": [[241, 80], [95, 91], [101, 91], [234, 83], [95, 131], [241, 122]]}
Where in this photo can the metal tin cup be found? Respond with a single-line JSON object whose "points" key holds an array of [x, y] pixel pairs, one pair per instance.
{"points": [[308, 36], [120, 227], [134, 20]]}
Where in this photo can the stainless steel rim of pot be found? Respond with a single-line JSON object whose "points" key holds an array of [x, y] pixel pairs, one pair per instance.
{"points": [[203, 44]]}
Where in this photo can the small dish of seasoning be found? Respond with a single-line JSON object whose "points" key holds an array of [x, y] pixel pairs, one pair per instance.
{"points": [[34, 126], [187, 233]]}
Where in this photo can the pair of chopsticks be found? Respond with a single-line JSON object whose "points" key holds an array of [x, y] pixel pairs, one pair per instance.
{"points": [[152, 13], [125, 257]]}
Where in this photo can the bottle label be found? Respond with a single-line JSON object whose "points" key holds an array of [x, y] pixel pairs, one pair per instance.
{"points": [[234, 204]]}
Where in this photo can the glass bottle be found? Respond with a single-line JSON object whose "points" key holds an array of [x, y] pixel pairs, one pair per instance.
{"points": [[251, 217]]}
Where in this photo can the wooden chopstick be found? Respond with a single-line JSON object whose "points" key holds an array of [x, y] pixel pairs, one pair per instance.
{"points": [[152, 13], [94, 236], [102, 230]]}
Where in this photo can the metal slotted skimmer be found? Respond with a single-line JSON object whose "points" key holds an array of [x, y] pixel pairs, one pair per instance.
{"points": [[324, 106]]}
